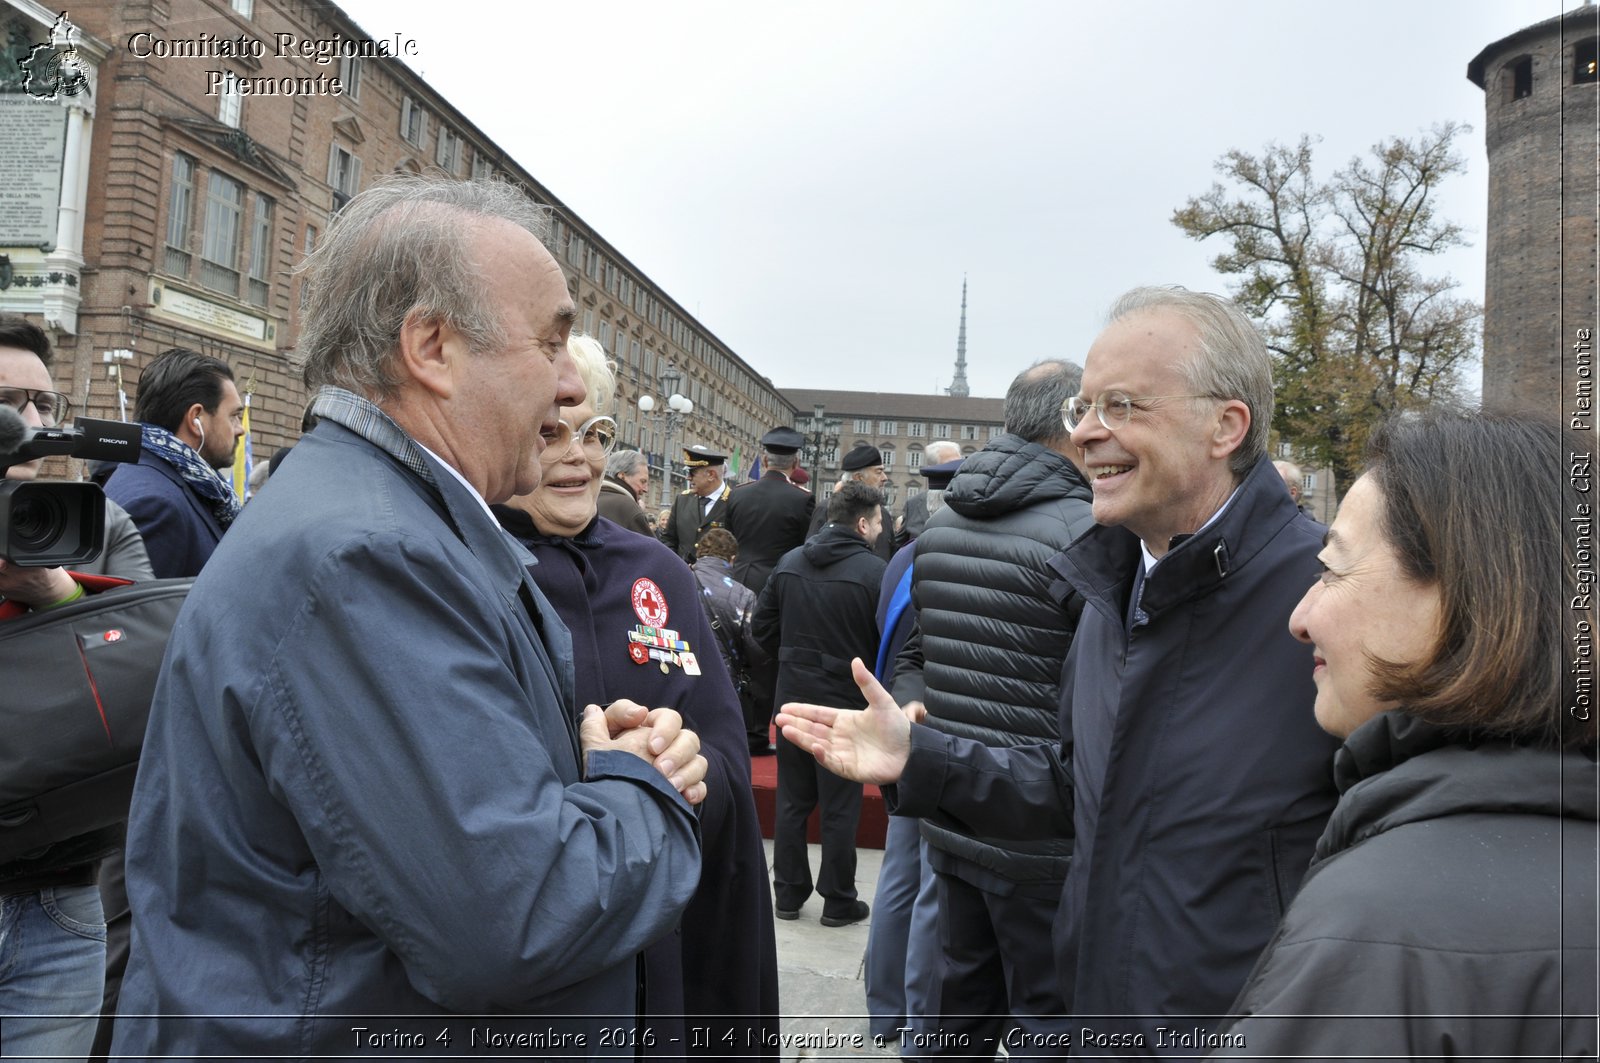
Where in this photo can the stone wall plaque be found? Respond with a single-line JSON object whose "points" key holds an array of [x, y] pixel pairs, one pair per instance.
{"points": [[33, 142]]}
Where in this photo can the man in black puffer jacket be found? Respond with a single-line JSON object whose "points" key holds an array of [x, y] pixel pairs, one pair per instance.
{"points": [[817, 611], [986, 662]]}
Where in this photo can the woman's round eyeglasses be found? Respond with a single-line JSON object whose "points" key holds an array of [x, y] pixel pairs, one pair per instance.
{"points": [[598, 435]]}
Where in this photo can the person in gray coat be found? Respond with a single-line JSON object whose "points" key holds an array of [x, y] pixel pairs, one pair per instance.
{"points": [[917, 508], [627, 479]]}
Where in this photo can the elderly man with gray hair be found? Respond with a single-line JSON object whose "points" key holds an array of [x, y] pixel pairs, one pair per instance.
{"points": [[366, 802], [918, 507], [626, 481]]}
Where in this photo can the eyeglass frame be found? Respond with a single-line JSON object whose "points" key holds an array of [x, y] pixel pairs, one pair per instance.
{"points": [[62, 415], [555, 451], [1099, 408]]}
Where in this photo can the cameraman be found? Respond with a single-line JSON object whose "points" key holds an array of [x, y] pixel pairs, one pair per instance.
{"points": [[52, 922]]}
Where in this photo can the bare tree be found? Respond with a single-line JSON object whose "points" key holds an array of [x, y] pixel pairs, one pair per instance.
{"points": [[1332, 273]]}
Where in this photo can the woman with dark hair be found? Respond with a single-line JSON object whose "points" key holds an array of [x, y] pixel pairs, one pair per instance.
{"points": [[1450, 906], [639, 632]]}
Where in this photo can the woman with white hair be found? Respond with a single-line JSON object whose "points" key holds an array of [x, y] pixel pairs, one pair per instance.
{"points": [[639, 632]]}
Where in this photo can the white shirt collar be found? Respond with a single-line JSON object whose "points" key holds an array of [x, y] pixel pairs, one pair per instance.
{"points": [[453, 471], [1151, 560]]}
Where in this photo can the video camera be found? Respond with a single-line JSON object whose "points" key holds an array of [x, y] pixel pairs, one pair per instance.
{"points": [[53, 523]]}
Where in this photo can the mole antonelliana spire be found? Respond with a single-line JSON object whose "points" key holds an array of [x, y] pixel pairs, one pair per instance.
{"points": [[958, 386]]}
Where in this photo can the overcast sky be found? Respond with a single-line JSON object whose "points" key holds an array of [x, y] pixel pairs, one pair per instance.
{"points": [[812, 180]]}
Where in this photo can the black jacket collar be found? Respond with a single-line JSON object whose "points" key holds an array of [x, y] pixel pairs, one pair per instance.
{"points": [[1101, 564]]}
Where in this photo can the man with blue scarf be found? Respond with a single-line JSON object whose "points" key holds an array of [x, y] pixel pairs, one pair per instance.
{"points": [[190, 414]]}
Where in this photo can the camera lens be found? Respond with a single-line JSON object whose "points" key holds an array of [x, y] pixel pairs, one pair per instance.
{"points": [[38, 520]]}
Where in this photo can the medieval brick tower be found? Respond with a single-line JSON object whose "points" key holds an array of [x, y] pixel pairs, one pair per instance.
{"points": [[1540, 86]]}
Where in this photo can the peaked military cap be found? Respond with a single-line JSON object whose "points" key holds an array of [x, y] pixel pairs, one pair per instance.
{"points": [[939, 476], [783, 440], [700, 455]]}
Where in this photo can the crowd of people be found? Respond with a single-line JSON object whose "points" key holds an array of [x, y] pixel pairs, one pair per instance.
{"points": [[452, 726]]}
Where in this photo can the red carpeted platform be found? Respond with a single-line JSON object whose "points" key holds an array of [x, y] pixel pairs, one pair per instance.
{"points": [[764, 784]]}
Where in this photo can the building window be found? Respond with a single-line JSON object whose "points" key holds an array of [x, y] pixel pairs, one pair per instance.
{"points": [[413, 122], [481, 168], [261, 252], [888, 457], [1586, 62], [219, 250], [941, 431], [916, 429], [1519, 78], [588, 321], [229, 105], [605, 333], [1308, 483], [914, 459], [912, 491], [350, 76], [344, 176], [247, 8], [863, 424], [969, 431], [448, 152], [889, 428], [180, 210], [995, 430]]}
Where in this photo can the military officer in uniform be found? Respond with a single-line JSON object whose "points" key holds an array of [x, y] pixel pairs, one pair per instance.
{"points": [[769, 516], [704, 505]]}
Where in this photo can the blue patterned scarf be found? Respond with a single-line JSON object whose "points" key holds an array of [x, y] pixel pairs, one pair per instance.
{"points": [[201, 478]]}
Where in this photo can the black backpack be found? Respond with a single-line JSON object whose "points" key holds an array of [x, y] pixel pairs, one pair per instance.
{"points": [[75, 690]]}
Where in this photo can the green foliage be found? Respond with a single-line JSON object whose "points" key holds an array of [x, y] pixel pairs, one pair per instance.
{"points": [[1331, 272]]}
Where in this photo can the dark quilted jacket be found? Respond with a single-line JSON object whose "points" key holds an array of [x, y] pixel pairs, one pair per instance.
{"points": [[992, 639]]}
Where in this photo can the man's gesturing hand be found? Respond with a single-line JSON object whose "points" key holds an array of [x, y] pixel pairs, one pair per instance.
{"points": [[867, 746]]}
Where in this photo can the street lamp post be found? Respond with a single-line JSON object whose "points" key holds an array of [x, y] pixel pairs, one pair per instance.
{"points": [[824, 435], [678, 407]]}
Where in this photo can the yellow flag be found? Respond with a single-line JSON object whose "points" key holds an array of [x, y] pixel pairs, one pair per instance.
{"points": [[242, 456]]}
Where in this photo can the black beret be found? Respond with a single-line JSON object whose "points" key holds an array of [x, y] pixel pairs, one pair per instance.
{"points": [[863, 457]]}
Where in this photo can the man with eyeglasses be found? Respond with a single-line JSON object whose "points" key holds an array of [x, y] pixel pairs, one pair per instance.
{"points": [[190, 413], [1191, 769], [54, 935]]}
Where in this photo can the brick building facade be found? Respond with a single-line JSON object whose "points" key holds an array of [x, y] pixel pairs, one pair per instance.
{"points": [[1540, 87], [215, 148]]}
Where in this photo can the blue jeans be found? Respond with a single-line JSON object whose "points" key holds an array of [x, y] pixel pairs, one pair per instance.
{"points": [[901, 948], [52, 971]]}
